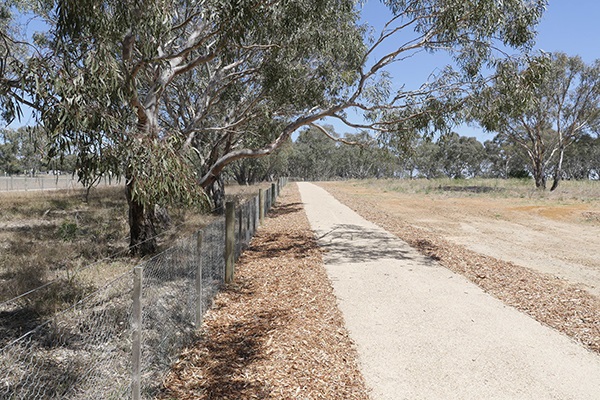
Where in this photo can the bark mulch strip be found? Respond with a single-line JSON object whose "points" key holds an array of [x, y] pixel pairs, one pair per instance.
{"points": [[551, 301], [276, 332]]}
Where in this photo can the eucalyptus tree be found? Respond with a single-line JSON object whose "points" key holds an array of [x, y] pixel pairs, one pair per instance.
{"points": [[314, 155], [428, 158], [169, 93], [460, 156], [22, 151], [9, 162], [11, 50], [361, 158], [249, 171], [504, 159], [154, 89], [582, 159], [544, 107]]}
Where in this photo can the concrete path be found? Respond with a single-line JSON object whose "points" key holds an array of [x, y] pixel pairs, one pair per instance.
{"points": [[424, 332]]}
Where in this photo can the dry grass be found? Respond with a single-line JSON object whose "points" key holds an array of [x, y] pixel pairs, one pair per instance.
{"points": [[48, 236], [551, 301], [276, 333], [583, 191], [57, 236]]}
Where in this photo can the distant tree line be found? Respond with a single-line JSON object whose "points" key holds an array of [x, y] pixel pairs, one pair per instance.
{"points": [[23, 152], [313, 156]]}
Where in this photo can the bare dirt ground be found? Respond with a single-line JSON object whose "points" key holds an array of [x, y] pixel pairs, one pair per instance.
{"points": [[556, 236], [536, 254]]}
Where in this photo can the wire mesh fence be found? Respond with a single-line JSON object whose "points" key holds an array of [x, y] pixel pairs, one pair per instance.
{"points": [[66, 356], [26, 183], [88, 351]]}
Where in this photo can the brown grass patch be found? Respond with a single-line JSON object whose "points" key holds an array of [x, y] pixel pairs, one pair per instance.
{"points": [[58, 236]]}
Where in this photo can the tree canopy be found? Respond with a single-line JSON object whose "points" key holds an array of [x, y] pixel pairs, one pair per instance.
{"points": [[543, 106], [169, 92]]}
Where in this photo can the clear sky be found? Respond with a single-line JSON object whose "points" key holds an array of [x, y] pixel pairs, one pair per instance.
{"points": [[572, 27]]}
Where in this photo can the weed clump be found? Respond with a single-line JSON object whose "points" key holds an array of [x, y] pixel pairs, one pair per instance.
{"points": [[68, 231]]}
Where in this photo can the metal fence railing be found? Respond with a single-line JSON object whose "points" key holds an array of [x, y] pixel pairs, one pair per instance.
{"points": [[120, 340]]}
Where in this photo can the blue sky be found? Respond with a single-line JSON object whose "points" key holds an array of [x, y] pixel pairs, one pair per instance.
{"points": [[572, 27]]}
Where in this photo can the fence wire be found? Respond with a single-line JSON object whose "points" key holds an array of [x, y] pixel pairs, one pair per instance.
{"points": [[47, 182], [81, 353], [85, 352]]}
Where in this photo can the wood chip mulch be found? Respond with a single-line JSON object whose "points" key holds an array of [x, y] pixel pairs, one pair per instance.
{"points": [[551, 301], [276, 332]]}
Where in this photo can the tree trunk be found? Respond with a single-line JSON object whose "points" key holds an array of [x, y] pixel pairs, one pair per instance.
{"points": [[142, 231], [215, 189], [540, 180], [538, 171], [558, 170], [538, 175], [555, 181]]}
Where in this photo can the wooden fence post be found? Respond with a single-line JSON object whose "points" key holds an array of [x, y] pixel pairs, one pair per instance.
{"points": [[256, 217], [273, 194], [261, 206], [199, 293], [137, 333], [267, 200], [229, 240], [249, 215]]}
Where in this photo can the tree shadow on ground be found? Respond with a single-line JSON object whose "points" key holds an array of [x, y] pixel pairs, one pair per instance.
{"points": [[15, 323], [53, 380], [228, 353], [300, 244], [234, 350], [285, 209], [20, 233], [347, 243]]}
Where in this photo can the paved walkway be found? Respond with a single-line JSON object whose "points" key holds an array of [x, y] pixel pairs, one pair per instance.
{"points": [[424, 332]]}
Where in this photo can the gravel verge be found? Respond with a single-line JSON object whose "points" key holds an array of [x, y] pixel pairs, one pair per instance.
{"points": [[276, 332], [551, 301]]}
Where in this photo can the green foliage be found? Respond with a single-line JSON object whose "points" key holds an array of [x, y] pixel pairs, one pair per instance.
{"points": [[363, 160], [249, 171], [582, 159], [543, 106], [164, 176], [504, 159], [68, 230], [22, 151], [314, 155], [461, 156], [11, 51]]}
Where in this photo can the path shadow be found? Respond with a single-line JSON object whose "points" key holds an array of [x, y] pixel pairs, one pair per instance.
{"points": [[285, 209], [233, 351], [355, 244], [273, 245]]}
